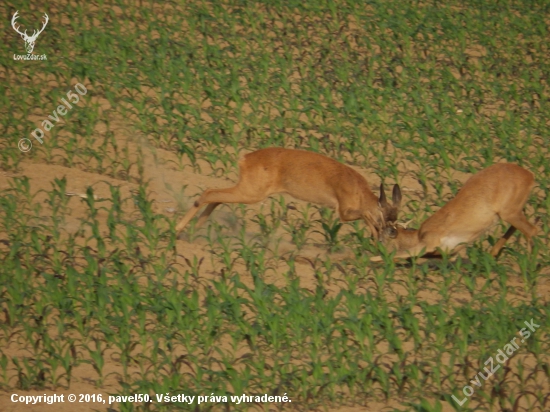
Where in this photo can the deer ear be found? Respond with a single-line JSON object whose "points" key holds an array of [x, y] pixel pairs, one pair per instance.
{"points": [[396, 196], [382, 200]]}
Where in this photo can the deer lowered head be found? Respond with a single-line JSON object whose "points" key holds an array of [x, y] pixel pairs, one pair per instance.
{"points": [[29, 40]]}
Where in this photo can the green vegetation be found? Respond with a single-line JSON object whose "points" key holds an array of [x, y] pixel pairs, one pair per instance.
{"points": [[413, 92]]}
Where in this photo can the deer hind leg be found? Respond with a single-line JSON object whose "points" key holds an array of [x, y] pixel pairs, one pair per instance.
{"points": [[496, 248], [213, 198], [204, 215], [519, 222], [187, 218]]}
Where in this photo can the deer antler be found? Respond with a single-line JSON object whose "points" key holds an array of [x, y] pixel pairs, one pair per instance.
{"points": [[47, 19], [15, 17], [406, 224]]}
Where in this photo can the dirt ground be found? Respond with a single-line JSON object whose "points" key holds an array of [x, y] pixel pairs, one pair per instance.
{"points": [[162, 177], [163, 180]]}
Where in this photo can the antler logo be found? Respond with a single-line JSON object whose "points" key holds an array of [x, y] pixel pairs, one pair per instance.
{"points": [[29, 40]]}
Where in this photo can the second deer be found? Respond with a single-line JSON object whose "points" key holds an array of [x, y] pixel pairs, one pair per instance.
{"points": [[306, 176], [499, 191]]}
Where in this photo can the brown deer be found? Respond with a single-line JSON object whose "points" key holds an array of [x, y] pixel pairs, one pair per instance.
{"points": [[306, 176], [499, 191]]}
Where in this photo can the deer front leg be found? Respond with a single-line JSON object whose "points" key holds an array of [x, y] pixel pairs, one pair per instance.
{"points": [[414, 252]]}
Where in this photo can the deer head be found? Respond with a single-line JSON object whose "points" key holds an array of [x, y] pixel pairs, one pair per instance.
{"points": [[29, 40]]}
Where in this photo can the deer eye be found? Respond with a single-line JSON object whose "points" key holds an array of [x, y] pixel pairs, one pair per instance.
{"points": [[392, 232]]}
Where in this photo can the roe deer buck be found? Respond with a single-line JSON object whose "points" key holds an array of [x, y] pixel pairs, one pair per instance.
{"points": [[306, 176], [501, 190]]}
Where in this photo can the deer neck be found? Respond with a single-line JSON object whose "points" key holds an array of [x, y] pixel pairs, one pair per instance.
{"points": [[407, 238]]}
